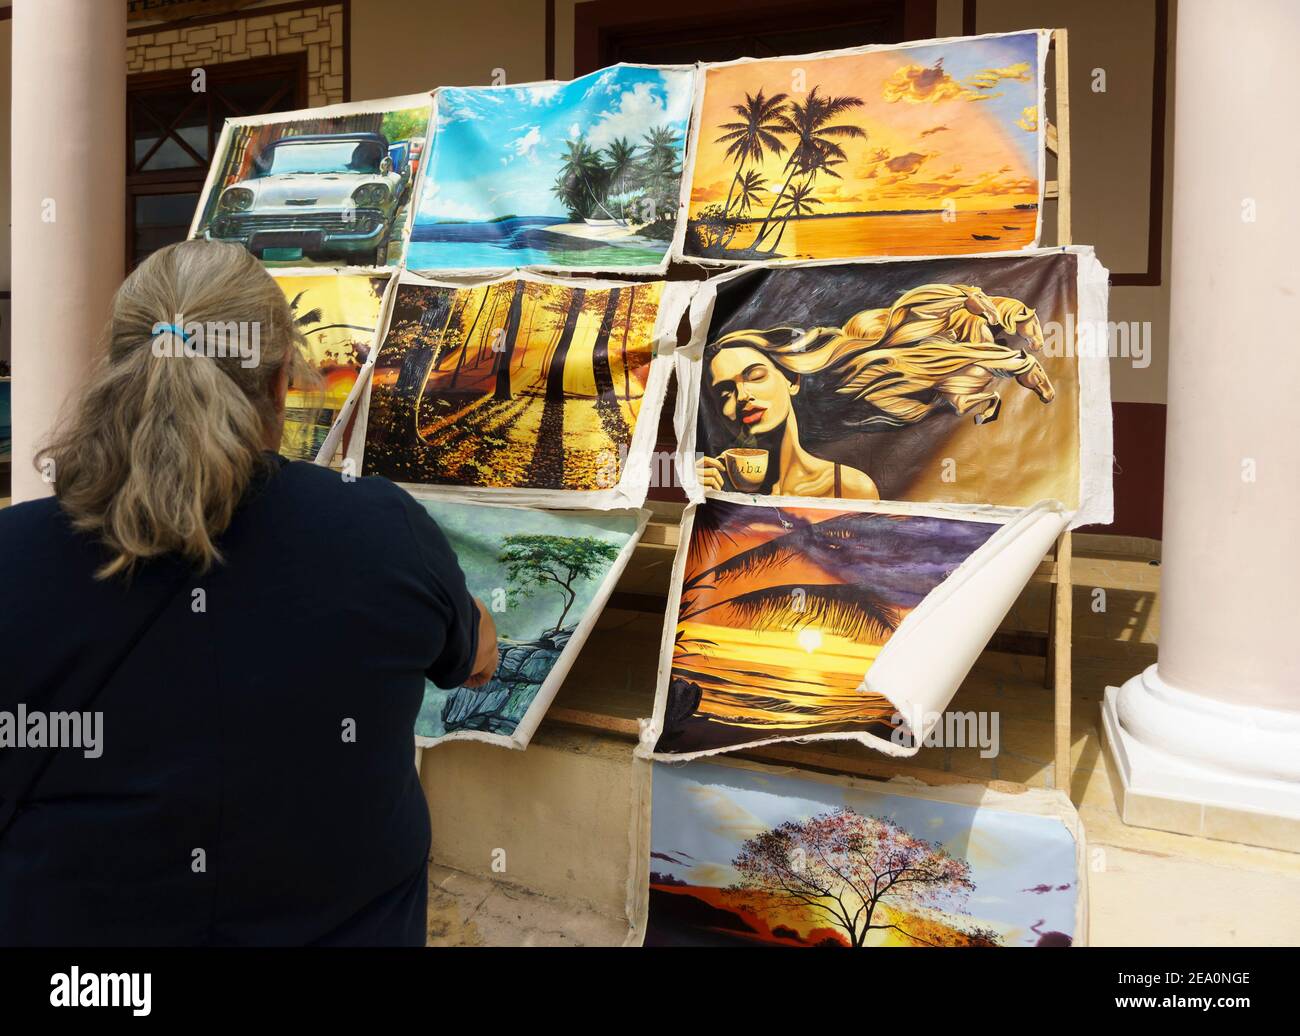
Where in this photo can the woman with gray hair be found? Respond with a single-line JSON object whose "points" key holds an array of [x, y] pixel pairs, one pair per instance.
{"points": [[213, 658]]}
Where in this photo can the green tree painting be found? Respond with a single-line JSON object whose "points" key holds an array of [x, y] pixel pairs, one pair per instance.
{"points": [[538, 562]]}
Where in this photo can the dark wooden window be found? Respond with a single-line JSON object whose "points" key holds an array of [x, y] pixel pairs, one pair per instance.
{"points": [[682, 31], [172, 130]]}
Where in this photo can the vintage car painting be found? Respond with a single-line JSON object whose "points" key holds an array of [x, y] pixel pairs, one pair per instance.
{"points": [[322, 196]]}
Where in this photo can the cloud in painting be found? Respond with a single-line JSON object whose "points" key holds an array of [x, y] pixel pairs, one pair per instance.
{"points": [[908, 163], [525, 146], [635, 112], [930, 84], [727, 816], [988, 78], [1028, 120]]}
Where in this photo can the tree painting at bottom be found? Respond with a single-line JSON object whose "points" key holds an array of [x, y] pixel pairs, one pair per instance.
{"points": [[740, 857], [538, 573]]}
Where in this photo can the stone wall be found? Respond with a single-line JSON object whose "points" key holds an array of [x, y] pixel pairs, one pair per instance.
{"points": [[316, 30]]}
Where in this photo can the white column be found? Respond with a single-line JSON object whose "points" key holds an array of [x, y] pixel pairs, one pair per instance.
{"points": [[67, 203], [1216, 722]]}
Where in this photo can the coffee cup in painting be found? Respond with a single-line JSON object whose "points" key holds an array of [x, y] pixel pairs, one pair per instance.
{"points": [[746, 468]]}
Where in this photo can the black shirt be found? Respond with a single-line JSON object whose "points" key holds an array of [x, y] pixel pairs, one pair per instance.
{"points": [[256, 783]]}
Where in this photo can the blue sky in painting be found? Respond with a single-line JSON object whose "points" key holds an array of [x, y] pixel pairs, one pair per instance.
{"points": [[496, 150], [702, 812]]}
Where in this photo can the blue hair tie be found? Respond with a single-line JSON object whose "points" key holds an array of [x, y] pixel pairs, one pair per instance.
{"points": [[160, 328]]}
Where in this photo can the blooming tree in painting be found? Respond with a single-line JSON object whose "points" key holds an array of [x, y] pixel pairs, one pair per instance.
{"points": [[843, 866]]}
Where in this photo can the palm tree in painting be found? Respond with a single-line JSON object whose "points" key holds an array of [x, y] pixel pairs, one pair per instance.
{"points": [[816, 141], [798, 202], [748, 189], [582, 180], [659, 173], [749, 140], [620, 165], [845, 609]]}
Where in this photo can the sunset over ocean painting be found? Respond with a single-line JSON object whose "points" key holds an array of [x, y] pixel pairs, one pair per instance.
{"points": [[925, 150], [337, 315], [782, 612], [748, 857]]}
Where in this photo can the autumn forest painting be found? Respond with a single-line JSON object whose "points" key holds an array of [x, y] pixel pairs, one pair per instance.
{"points": [[513, 384], [741, 857]]}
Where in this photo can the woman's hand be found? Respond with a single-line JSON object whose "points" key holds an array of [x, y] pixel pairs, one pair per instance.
{"points": [[710, 472], [485, 658]]}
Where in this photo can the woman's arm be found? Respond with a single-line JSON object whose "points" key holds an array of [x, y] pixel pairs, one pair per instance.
{"points": [[485, 654]]}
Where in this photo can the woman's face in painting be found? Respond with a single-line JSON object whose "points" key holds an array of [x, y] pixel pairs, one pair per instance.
{"points": [[751, 390]]}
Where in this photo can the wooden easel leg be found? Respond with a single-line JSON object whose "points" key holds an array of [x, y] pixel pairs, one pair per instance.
{"points": [[1061, 634], [1049, 667]]}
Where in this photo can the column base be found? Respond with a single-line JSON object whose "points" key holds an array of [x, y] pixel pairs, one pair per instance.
{"points": [[1197, 784]]}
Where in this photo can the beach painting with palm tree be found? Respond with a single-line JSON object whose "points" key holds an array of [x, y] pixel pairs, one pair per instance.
{"points": [[582, 175], [780, 613], [338, 316], [544, 575], [917, 149], [523, 383], [751, 856]]}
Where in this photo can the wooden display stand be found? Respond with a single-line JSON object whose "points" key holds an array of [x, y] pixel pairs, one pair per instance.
{"points": [[1060, 616], [616, 714]]}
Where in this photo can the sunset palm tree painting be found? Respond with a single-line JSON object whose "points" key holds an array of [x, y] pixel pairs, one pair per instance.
{"points": [[742, 856], [337, 316], [511, 384], [585, 174], [782, 611], [909, 150]]}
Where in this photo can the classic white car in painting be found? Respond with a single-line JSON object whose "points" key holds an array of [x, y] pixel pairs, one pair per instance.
{"points": [[328, 195]]}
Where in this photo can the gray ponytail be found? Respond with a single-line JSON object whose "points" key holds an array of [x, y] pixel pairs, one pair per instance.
{"points": [[162, 444]]}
